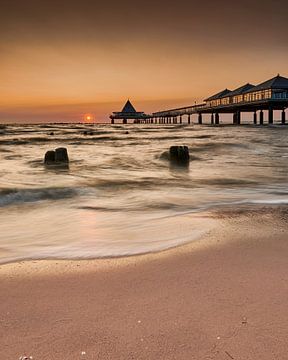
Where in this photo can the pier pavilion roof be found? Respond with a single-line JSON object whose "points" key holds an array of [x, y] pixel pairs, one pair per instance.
{"points": [[219, 95], [241, 90], [128, 108], [277, 82], [128, 112]]}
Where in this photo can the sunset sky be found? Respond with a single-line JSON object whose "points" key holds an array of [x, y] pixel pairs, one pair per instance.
{"points": [[60, 60]]}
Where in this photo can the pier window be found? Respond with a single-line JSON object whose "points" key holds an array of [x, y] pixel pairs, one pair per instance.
{"points": [[267, 94], [216, 102], [258, 95], [237, 99], [280, 95], [225, 101]]}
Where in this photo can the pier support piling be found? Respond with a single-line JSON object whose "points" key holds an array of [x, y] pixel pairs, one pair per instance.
{"points": [[255, 117], [200, 119], [217, 119], [238, 117], [283, 117], [212, 119], [189, 119], [261, 120], [270, 116]]}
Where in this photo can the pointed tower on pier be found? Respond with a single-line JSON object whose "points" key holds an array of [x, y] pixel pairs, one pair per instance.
{"points": [[128, 113], [129, 108]]}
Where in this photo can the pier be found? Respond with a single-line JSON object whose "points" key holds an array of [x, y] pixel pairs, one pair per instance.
{"points": [[270, 95]]}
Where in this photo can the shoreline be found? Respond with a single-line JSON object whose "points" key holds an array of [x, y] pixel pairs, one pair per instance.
{"points": [[223, 296], [212, 219], [208, 219]]}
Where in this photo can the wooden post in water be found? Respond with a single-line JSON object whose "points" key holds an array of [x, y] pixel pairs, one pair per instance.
{"points": [[217, 118], [200, 119], [189, 119]]}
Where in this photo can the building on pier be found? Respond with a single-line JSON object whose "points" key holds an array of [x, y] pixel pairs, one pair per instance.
{"points": [[236, 96], [268, 96], [218, 99], [129, 113], [274, 89]]}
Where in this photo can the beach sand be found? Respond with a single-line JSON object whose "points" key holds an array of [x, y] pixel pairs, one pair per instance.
{"points": [[222, 297]]}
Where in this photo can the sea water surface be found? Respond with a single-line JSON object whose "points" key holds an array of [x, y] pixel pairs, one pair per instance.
{"points": [[120, 195]]}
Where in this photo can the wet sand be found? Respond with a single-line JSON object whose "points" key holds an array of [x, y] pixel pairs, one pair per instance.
{"points": [[222, 297]]}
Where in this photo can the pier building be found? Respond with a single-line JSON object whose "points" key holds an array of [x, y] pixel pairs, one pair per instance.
{"points": [[129, 113]]}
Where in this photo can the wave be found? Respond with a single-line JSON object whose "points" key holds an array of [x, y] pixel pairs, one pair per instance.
{"points": [[217, 145], [268, 202], [14, 142], [12, 157], [10, 197], [79, 140], [228, 182], [184, 209]]}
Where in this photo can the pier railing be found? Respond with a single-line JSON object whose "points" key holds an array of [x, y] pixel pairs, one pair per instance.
{"points": [[187, 110]]}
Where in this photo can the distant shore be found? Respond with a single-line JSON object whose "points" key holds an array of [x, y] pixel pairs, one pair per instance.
{"points": [[222, 297]]}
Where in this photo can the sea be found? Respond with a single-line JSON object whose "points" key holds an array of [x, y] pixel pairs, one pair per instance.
{"points": [[120, 195]]}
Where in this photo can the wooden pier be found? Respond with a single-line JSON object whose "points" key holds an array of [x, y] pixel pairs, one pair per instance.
{"points": [[268, 96]]}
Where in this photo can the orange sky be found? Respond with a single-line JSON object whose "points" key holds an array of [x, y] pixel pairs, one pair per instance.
{"points": [[60, 61]]}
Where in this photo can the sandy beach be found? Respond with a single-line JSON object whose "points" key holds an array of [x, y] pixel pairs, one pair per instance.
{"points": [[222, 297]]}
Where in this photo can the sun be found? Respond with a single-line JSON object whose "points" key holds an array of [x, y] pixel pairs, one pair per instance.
{"points": [[88, 118]]}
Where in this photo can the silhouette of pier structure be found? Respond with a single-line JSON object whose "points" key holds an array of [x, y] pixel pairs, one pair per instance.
{"points": [[268, 96], [129, 113]]}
